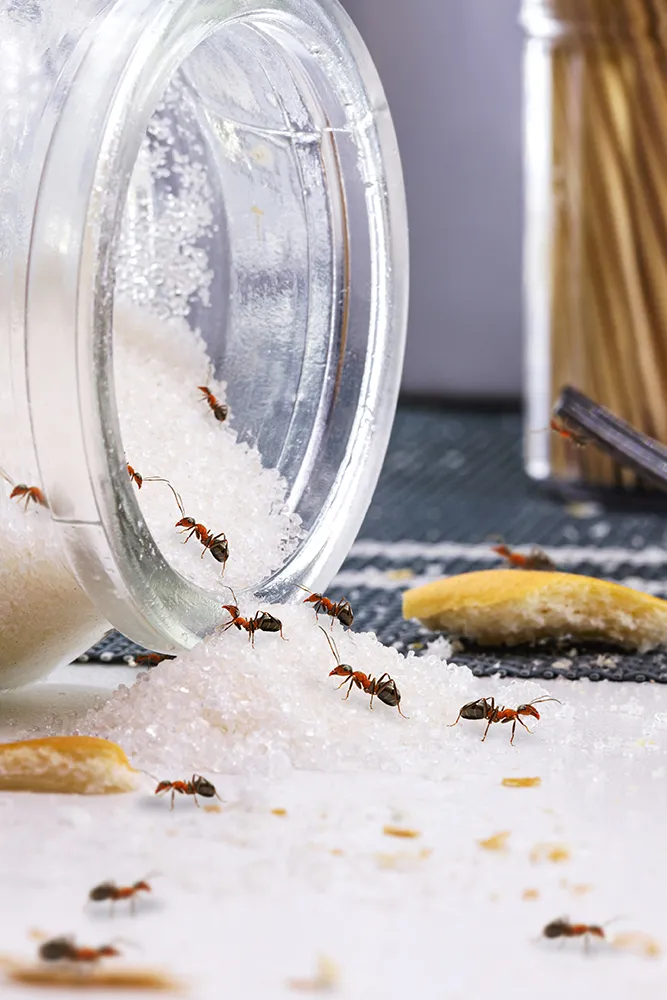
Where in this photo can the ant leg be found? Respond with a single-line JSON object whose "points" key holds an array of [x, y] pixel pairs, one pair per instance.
{"points": [[488, 726], [519, 719], [194, 796], [512, 736], [173, 796], [451, 724]]}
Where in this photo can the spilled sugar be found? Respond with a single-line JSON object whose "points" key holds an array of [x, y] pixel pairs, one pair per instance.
{"points": [[228, 708]]}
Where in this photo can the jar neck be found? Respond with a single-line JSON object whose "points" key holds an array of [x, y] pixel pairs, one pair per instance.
{"points": [[106, 93]]}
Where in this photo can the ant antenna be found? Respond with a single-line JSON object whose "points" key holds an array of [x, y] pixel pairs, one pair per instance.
{"points": [[6, 477], [332, 644], [543, 698], [143, 771], [236, 600]]}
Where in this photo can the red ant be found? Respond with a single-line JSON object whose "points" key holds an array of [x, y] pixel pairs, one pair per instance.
{"points": [[486, 708], [196, 786], [262, 622], [136, 477], [109, 890], [341, 610], [217, 545], [579, 440], [64, 948], [219, 410], [152, 659], [562, 928], [383, 688], [536, 559], [30, 493]]}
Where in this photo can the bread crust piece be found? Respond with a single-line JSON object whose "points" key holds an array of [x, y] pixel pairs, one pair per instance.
{"points": [[83, 765], [507, 607]]}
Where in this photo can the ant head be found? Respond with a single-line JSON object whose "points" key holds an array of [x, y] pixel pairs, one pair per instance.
{"points": [[55, 949], [342, 670], [102, 891], [108, 951], [557, 928], [185, 522], [162, 786], [528, 710], [476, 710], [203, 787]]}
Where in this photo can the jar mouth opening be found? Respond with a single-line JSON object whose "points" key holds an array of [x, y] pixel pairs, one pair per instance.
{"points": [[312, 387]]}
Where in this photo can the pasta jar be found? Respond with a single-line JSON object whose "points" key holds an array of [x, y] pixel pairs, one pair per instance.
{"points": [[596, 224], [203, 299]]}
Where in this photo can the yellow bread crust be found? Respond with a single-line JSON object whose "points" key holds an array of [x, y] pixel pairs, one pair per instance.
{"points": [[508, 606], [75, 764]]}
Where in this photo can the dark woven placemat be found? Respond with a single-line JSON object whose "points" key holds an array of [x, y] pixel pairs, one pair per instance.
{"points": [[452, 478]]}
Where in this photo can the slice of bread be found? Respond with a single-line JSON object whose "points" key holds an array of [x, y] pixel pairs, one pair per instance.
{"points": [[508, 606]]}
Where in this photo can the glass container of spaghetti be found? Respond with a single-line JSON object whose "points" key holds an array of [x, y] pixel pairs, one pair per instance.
{"points": [[595, 249], [203, 277]]}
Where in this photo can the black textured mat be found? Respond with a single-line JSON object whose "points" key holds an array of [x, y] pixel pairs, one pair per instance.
{"points": [[452, 479]]}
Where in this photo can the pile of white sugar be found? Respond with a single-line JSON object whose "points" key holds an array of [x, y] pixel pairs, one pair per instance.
{"points": [[227, 708]]}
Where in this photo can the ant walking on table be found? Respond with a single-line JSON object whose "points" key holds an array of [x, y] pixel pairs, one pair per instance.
{"points": [[197, 785], [65, 948], [384, 688], [262, 622], [486, 708], [113, 892]]}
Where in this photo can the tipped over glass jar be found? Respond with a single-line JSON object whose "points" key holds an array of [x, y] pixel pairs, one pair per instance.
{"points": [[203, 301]]}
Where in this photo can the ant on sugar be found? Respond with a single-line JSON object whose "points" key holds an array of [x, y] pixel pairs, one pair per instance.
{"points": [[262, 622], [219, 410], [384, 688]]}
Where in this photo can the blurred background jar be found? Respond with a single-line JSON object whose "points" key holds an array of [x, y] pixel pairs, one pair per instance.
{"points": [[595, 251]]}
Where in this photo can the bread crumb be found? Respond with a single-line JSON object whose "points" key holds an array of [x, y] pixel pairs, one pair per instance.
{"points": [[327, 977], [549, 852], [529, 894], [399, 831], [521, 782], [562, 664], [83, 765], [400, 574], [581, 889], [637, 942], [212, 808], [69, 977], [279, 812], [498, 842], [337, 852]]}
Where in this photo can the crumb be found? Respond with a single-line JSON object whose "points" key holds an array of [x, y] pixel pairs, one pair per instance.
{"points": [[605, 661], [572, 652], [581, 889], [68, 978], [549, 852], [530, 894], [584, 509], [494, 897], [498, 842], [637, 942], [400, 574], [521, 782], [212, 808], [401, 860], [562, 664], [337, 852], [417, 645], [279, 812], [399, 831], [327, 977], [425, 853]]}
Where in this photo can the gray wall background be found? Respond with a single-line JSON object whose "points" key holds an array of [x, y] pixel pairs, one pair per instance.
{"points": [[452, 73]]}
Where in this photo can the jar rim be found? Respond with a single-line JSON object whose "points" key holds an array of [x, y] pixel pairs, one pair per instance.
{"points": [[93, 149]]}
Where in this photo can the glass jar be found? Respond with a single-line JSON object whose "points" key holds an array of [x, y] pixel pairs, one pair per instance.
{"points": [[595, 246], [231, 161]]}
